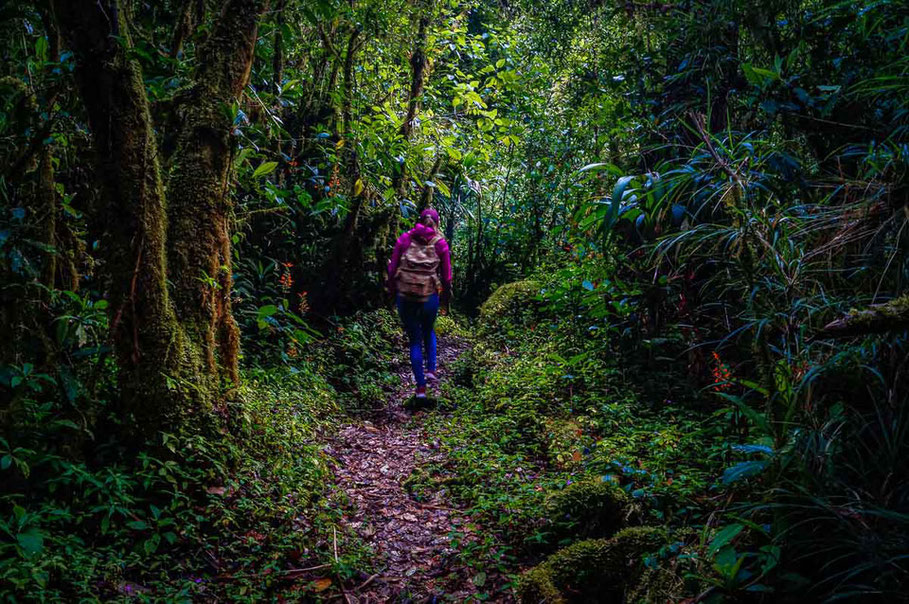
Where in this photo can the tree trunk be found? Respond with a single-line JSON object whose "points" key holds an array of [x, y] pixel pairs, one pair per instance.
{"points": [[148, 343], [879, 318], [199, 254], [417, 83], [277, 57], [171, 346], [352, 160], [399, 179], [426, 195], [186, 20], [46, 206], [344, 259]]}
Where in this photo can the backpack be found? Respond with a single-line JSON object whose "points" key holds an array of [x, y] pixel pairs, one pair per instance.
{"points": [[417, 276]]}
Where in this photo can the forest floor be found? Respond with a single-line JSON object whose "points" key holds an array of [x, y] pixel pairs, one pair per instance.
{"points": [[416, 542]]}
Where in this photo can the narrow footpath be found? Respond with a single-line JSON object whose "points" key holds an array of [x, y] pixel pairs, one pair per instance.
{"points": [[416, 559]]}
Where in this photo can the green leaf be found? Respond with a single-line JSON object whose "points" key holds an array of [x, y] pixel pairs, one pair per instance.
{"points": [[267, 310], [600, 167], [139, 525], [31, 541], [265, 168], [152, 544], [742, 470], [758, 76], [618, 192], [724, 537]]}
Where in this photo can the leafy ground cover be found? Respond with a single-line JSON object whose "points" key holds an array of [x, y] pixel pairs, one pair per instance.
{"points": [[550, 443], [238, 515]]}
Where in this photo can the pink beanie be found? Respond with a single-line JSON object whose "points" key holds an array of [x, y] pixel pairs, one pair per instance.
{"points": [[431, 213]]}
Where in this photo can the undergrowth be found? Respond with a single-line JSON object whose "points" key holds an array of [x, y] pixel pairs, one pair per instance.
{"points": [[229, 515]]}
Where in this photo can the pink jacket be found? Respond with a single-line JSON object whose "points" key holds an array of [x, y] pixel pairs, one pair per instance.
{"points": [[422, 233]]}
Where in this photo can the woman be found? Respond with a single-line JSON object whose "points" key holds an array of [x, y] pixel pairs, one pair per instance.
{"points": [[419, 271]]}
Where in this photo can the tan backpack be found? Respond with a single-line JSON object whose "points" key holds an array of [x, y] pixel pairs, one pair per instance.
{"points": [[417, 276]]}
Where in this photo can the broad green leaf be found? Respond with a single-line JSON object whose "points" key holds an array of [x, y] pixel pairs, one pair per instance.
{"points": [[265, 168], [724, 537], [742, 470], [31, 541]]}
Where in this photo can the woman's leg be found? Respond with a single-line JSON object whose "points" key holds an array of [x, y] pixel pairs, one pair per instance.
{"points": [[410, 317], [428, 320]]}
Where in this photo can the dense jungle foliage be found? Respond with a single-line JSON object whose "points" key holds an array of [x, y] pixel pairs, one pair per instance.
{"points": [[679, 236]]}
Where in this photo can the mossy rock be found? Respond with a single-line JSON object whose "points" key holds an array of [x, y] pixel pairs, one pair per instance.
{"points": [[584, 571], [536, 586], [594, 570], [513, 303], [591, 508], [656, 586]]}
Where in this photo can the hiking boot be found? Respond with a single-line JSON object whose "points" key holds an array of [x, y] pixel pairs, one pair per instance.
{"points": [[431, 376], [421, 392]]}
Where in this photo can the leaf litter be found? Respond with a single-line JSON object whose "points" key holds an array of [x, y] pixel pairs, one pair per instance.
{"points": [[416, 543]]}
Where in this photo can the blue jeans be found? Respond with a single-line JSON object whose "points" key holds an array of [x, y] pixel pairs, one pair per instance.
{"points": [[418, 319]]}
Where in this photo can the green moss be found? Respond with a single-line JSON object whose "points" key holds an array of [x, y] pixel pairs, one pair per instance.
{"points": [[473, 363], [897, 310], [635, 541], [592, 508], [656, 586], [535, 586], [584, 565], [597, 570], [509, 311], [509, 299]]}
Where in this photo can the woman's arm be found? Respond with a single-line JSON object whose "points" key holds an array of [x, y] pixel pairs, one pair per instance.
{"points": [[444, 253]]}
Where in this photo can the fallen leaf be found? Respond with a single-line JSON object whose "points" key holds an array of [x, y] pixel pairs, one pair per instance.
{"points": [[322, 584]]}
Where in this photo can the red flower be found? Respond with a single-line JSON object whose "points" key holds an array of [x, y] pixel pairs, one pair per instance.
{"points": [[721, 374]]}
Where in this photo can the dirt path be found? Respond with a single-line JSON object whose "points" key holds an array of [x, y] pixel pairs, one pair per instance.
{"points": [[412, 539]]}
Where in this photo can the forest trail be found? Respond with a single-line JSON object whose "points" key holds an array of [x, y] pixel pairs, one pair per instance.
{"points": [[415, 558]]}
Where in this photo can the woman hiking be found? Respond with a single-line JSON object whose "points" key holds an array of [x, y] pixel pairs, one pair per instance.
{"points": [[418, 274]]}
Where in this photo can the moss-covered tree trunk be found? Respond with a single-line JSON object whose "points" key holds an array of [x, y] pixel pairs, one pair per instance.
{"points": [[199, 250], [148, 342], [173, 342]]}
